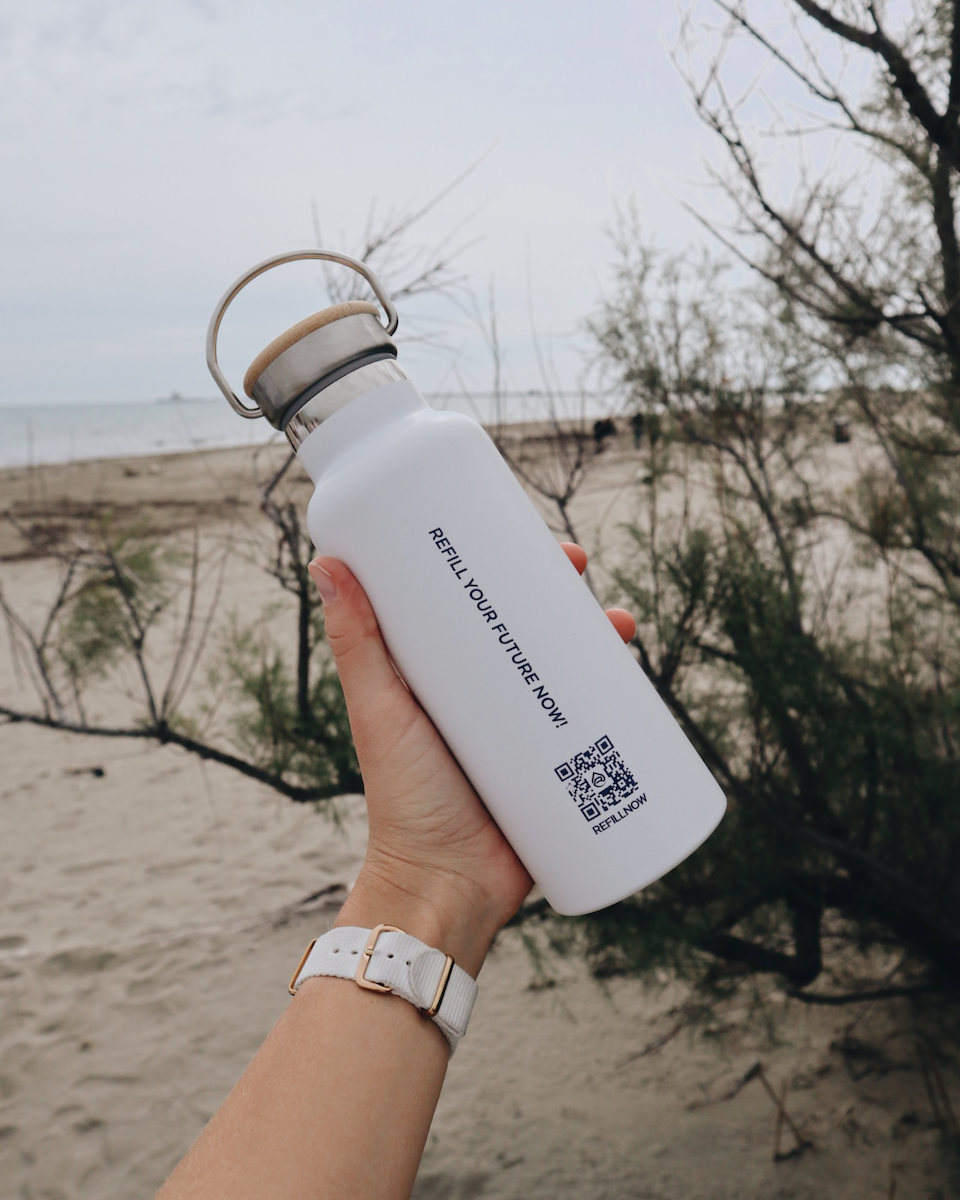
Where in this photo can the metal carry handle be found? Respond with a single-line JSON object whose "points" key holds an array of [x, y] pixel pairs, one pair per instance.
{"points": [[245, 410]]}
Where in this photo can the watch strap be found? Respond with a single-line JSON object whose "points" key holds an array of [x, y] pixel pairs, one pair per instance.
{"points": [[387, 959]]}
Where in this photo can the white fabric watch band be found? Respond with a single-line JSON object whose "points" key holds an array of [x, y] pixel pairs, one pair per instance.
{"points": [[385, 959]]}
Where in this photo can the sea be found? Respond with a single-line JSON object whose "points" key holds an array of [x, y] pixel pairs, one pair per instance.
{"points": [[57, 433]]}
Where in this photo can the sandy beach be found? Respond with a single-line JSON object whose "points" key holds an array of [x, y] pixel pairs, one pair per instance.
{"points": [[152, 908]]}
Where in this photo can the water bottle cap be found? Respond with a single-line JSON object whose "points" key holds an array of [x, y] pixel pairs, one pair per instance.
{"points": [[313, 354], [341, 339], [266, 356]]}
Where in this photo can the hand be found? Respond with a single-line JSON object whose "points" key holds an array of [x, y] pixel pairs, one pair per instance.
{"points": [[437, 865]]}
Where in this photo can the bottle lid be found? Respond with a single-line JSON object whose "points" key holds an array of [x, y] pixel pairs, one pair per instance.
{"points": [[313, 354], [336, 342]]}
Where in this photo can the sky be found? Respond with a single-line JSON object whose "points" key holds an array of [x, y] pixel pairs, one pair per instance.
{"points": [[152, 152]]}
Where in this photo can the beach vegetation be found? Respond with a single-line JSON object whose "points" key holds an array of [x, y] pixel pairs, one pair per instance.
{"points": [[136, 614], [796, 565], [303, 738]]}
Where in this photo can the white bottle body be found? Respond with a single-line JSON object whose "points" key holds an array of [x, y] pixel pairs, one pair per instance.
{"points": [[566, 741]]}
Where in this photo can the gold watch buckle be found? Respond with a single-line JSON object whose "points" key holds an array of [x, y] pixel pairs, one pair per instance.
{"points": [[366, 955]]}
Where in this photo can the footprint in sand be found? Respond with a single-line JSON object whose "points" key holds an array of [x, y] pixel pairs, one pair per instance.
{"points": [[81, 961]]}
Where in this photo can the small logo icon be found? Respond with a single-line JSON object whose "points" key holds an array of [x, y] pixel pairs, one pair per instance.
{"points": [[598, 778]]}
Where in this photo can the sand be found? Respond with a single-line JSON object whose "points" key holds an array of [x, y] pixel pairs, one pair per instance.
{"points": [[151, 914]]}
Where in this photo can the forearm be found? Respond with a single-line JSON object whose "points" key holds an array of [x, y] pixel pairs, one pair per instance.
{"points": [[339, 1099]]}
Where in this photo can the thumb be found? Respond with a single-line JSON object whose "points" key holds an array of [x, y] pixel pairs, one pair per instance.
{"points": [[370, 682]]}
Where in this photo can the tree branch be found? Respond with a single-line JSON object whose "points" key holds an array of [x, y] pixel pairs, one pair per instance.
{"points": [[904, 76], [167, 736], [838, 1000]]}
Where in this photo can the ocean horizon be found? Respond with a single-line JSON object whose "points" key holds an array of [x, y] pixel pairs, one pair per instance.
{"points": [[45, 434], [42, 434]]}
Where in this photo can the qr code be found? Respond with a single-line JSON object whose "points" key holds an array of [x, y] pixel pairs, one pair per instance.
{"points": [[597, 779]]}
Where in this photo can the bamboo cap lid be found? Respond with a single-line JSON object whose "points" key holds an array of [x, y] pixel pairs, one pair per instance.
{"points": [[325, 316]]}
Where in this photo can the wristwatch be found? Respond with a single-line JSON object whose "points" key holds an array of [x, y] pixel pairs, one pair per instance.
{"points": [[385, 959]]}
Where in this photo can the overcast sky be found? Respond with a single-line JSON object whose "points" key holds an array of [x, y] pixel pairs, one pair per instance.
{"points": [[152, 152]]}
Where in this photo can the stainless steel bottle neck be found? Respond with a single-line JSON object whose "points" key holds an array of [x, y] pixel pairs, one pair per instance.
{"points": [[304, 360], [339, 393], [319, 365]]}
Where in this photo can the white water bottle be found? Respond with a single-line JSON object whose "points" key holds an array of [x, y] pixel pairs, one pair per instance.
{"points": [[562, 735]]}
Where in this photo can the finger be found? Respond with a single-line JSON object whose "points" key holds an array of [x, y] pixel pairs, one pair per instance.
{"points": [[370, 683], [576, 554], [623, 622]]}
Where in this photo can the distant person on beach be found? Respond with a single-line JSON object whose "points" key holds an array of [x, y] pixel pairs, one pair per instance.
{"points": [[603, 429], [338, 1101], [636, 424]]}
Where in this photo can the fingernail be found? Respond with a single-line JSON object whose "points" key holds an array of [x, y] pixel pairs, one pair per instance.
{"points": [[324, 581]]}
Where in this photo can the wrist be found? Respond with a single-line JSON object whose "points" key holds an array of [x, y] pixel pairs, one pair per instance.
{"points": [[440, 911]]}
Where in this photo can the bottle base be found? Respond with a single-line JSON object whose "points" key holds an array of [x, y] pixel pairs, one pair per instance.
{"points": [[579, 907]]}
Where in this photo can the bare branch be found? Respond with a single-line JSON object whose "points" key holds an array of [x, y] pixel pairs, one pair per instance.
{"points": [[167, 736]]}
